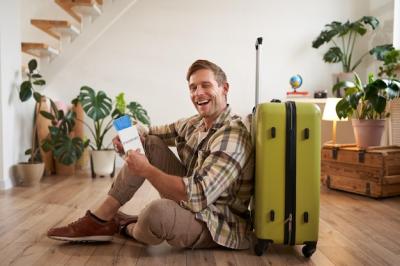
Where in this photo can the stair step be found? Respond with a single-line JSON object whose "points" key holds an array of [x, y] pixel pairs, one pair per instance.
{"points": [[56, 28], [39, 49], [77, 8]]}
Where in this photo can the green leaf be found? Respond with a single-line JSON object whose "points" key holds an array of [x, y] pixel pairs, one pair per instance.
{"points": [[381, 50], [28, 152], [343, 85], [54, 131], [47, 145], [32, 65], [358, 82], [54, 108], [138, 112], [120, 103], [67, 150], [36, 76], [358, 27], [371, 78], [96, 106], [47, 115], [333, 55], [324, 37], [393, 90], [37, 96], [378, 103], [343, 108], [25, 92], [40, 82], [371, 21]]}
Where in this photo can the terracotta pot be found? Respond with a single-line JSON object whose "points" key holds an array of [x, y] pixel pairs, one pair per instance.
{"points": [[64, 170], [102, 162], [368, 132], [83, 162], [43, 133], [29, 173]]}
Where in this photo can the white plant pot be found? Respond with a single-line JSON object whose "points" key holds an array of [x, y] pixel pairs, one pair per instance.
{"points": [[368, 132], [29, 173], [103, 163]]}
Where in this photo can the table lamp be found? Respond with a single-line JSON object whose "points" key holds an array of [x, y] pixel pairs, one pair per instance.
{"points": [[330, 115]]}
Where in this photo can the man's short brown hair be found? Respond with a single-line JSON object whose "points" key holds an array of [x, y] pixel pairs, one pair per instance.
{"points": [[219, 74]]}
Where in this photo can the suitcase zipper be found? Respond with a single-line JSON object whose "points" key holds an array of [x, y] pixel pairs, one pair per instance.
{"points": [[289, 220], [290, 178]]}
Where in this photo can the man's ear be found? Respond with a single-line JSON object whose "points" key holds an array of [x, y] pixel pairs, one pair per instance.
{"points": [[225, 87]]}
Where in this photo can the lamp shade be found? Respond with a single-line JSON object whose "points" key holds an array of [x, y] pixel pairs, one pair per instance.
{"points": [[330, 110]]}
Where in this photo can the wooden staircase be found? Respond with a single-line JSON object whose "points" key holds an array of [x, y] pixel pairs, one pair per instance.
{"points": [[39, 49], [59, 29], [56, 28]]}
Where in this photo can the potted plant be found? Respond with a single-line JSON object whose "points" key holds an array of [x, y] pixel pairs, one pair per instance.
{"points": [[31, 172], [366, 104], [98, 107], [343, 37], [66, 147]]}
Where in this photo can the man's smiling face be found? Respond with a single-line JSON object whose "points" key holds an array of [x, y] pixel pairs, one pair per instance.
{"points": [[207, 96]]}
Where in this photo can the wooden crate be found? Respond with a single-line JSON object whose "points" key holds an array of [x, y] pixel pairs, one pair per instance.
{"points": [[373, 172]]}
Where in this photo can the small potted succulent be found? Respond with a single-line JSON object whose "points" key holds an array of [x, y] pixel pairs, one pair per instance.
{"points": [[366, 105]]}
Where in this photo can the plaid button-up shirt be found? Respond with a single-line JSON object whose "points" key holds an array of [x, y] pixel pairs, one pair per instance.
{"points": [[219, 177]]}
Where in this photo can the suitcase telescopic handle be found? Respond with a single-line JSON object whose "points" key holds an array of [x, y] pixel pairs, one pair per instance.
{"points": [[258, 50]]}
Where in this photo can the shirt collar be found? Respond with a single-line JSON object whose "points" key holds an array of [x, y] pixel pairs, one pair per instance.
{"points": [[220, 119]]}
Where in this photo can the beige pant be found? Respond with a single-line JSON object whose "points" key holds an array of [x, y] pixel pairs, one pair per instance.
{"points": [[162, 219]]}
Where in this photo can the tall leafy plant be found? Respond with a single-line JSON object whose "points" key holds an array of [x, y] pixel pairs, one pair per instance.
{"points": [[27, 89], [343, 37]]}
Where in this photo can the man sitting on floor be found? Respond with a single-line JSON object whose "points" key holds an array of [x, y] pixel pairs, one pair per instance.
{"points": [[205, 194]]}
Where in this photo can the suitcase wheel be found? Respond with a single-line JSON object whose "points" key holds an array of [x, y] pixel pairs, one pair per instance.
{"points": [[309, 249], [261, 246]]}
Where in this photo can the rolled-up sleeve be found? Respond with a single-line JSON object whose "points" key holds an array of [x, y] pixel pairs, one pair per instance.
{"points": [[218, 168]]}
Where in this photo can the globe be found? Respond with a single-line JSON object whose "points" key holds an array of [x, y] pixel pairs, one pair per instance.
{"points": [[296, 81]]}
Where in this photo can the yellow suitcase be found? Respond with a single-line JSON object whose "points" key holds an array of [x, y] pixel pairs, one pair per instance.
{"points": [[287, 182]]}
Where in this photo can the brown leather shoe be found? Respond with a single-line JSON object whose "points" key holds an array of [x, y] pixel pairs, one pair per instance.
{"points": [[123, 220], [85, 229]]}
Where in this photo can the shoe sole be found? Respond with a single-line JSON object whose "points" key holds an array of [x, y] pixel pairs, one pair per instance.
{"points": [[83, 238]]}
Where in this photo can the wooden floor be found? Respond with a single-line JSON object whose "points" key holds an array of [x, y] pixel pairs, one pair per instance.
{"points": [[354, 230]]}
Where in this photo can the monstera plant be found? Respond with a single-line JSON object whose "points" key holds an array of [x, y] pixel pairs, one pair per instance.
{"points": [[343, 38], [66, 149]]}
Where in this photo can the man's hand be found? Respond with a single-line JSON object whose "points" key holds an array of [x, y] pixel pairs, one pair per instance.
{"points": [[118, 145], [137, 163]]}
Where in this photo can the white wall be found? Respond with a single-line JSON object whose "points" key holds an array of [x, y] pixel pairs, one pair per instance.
{"points": [[147, 51], [15, 119], [396, 31]]}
